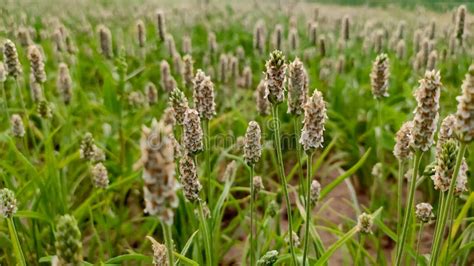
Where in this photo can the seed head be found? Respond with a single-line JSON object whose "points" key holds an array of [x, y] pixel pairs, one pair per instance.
{"points": [[445, 162], [187, 46], [345, 28], [273, 209], [10, 59], [151, 93], [160, 253], [17, 128], [136, 99], [252, 146], [212, 43], [424, 212], [44, 109], [315, 192], [259, 37], [141, 33], [157, 158], [446, 130], [246, 80], [64, 83], [295, 237], [8, 205], [230, 171], [178, 67], [313, 123], [68, 241], [169, 117], [432, 58], [188, 71], [263, 105], [179, 103], [275, 77], [189, 178], [87, 147], [23, 36], [461, 181], [278, 37], [465, 110], [297, 87], [426, 112], [160, 24], [203, 95], [322, 46], [167, 82], [192, 136], [379, 76], [257, 185], [364, 223], [223, 63], [401, 49], [402, 149], [105, 41], [313, 33], [100, 177], [268, 259], [36, 64], [293, 39], [460, 23]]}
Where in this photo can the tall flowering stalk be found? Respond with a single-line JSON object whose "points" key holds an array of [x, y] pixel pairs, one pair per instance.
{"points": [[464, 128], [274, 92], [205, 105], [297, 93], [424, 127], [252, 154], [8, 208], [402, 152], [312, 138], [157, 159], [379, 80]]}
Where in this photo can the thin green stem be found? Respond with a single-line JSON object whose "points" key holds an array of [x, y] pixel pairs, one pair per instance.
{"points": [[359, 250], [5, 100], [168, 242], [207, 155], [308, 205], [447, 205], [22, 102], [418, 243], [205, 235], [450, 239], [346, 237], [401, 172], [409, 208], [16, 242], [296, 127], [252, 213], [281, 170]]}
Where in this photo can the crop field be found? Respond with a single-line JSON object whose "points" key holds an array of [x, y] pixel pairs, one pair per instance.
{"points": [[209, 132]]}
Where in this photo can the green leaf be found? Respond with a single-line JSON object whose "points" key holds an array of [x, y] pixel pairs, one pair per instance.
{"points": [[328, 188]]}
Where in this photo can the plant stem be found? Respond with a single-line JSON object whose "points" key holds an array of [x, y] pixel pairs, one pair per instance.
{"points": [[418, 244], [22, 102], [206, 235], [281, 170], [252, 199], [409, 208], [16, 242], [450, 239], [5, 100], [401, 172], [168, 242], [296, 126], [346, 237], [447, 205], [359, 250], [308, 205], [207, 155]]}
